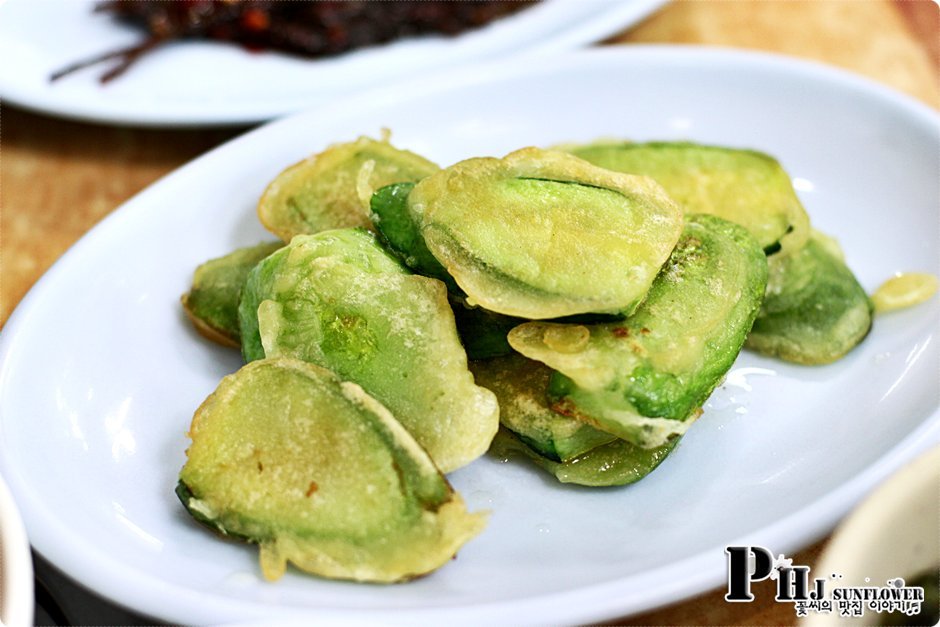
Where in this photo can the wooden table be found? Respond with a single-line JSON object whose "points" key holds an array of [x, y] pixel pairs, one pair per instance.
{"points": [[59, 178]]}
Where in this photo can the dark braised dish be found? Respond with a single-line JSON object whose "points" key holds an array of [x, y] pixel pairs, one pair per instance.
{"points": [[314, 28]]}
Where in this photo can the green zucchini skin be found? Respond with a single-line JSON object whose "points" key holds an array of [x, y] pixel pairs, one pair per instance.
{"points": [[397, 230], [484, 333], [324, 191], [319, 474], [644, 378], [340, 300], [521, 387], [616, 463], [212, 301], [520, 235], [815, 310], [191, 502], [747, 187]]}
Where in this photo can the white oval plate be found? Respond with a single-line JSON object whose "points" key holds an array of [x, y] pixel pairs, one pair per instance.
{"points": [[211, 83], [101, 372]]}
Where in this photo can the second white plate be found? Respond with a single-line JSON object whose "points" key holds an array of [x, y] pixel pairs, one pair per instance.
{"points": [[200, 83]]}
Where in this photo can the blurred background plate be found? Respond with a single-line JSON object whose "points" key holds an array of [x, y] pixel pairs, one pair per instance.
{"points": [[16, 567], [199, 83], [894, 533]]}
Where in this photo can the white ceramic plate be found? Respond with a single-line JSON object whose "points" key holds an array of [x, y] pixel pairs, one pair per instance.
{"points": [[203, 83], [16, 565], [101, 372]]}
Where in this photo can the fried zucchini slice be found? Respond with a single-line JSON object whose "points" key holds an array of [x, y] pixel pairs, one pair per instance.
{"points": [[482, 332], [521, 387], [645, 378], [339, 300], [322, 191], [613, 464], [746, 187], [522, 235], [815, 311], [212, 301], [320, 475]]}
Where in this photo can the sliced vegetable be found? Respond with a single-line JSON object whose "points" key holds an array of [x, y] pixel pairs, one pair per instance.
{"points": [[339, 300], [212, 301], [323, 191], [815, 311], [747, 187], [521, 387], [612, 464], [522, 235], [644, 378], [320, 475]]}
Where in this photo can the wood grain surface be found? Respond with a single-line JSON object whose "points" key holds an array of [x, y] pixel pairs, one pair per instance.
{"points": [[59, 178]]}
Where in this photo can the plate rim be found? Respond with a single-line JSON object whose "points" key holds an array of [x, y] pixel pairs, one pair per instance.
{"points": [[848, 494]]}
